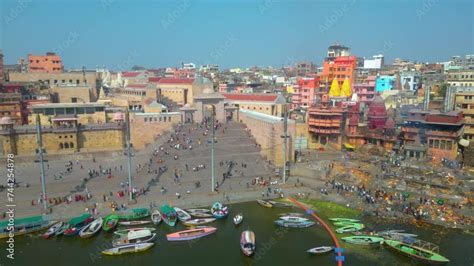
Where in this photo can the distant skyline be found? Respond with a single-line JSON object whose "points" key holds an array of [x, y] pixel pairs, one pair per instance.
{"points": [[121, 34]]}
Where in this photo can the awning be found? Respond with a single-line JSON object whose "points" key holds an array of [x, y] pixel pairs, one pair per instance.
{"points": [[348, 146]]}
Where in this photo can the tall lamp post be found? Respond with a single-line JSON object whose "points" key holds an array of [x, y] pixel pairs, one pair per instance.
{"points": [[39, 142], [212, 149], [129, 153]]}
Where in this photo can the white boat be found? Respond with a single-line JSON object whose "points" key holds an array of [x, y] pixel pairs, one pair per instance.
{"points": [[134, 237], [133, 248], [238, 219], [156, 217], [132, 223], [320, 250], [91, 229], [199, 210], [182, 215], [201, 214], [126, 231], [293, 219], [53, 230], [194, 222]]}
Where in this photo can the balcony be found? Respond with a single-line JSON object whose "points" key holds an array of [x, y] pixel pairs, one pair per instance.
{"points": [[410, 130], [324, 122], [325, 131], [439, 133]]}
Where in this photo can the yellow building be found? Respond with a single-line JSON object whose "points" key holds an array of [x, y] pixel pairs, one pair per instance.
{"points": [[182, 90], [465, 101], [270, 104], [83, 113], [74, 94]]}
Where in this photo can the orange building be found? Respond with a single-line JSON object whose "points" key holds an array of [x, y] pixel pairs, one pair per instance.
{"points": [[340, 68], [49, 63]]}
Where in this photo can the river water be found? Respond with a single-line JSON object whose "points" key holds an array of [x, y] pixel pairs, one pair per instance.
{"points": [[275, 245]]}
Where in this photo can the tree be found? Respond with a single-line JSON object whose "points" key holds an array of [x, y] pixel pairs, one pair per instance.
{"points": [[442, 90]]}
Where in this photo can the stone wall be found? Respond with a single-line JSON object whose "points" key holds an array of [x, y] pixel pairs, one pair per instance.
{"points": [[145, 128]]}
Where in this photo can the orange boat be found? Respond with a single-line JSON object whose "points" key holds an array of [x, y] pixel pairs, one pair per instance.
{"points": [[191, 234]]}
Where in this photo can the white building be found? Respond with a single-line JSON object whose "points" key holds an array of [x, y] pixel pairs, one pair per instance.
{"points": [[375, 63]]}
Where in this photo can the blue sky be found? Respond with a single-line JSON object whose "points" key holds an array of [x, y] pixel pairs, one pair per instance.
{"points": [[120, 34]]}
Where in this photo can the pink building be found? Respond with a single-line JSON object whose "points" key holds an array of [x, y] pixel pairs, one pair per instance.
{"points": [[365, 91], [305, 93]]}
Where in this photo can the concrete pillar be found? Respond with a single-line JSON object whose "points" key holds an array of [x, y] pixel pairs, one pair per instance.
{"points": [[220, 111], [200, 111]]}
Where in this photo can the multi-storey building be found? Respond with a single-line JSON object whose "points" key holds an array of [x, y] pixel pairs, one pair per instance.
{"points": [[49, 63], [1, 67], [341, 68], [460, 77], [464, 101]]}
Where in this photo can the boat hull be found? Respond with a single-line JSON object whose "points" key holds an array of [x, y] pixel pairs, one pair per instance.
{"points": [[180, 236]]}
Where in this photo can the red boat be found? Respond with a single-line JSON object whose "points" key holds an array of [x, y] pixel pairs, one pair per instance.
{"points": [[247, 243]]}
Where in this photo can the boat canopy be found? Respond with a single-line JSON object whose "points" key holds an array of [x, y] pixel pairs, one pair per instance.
{"points": [[138, 234], [79, 219], [22, 221], [166, 209]]}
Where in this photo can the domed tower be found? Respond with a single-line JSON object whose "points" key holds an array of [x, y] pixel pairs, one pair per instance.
{"points": [[346, 89], [334, 90], [389, 127], [377, 113]]}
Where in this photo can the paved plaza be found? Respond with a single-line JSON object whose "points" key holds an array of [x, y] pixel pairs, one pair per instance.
{"points": [[233, 143]]}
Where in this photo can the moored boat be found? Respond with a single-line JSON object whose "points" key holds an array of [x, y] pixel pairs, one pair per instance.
{"points": [[134, 214], [134, 237], [182, 215], [194, 222], [91, 229], [350, 228], [341, 224], [77, 223], [199, 210], [133, 223], [363, 240], [156, 217], [62, 229], [422, 254], [133, 248], [279, 204], [191, 234], [247, 242], [238, 219], [110, 222], [293, 219], [126, 231], [201, 214], [320, 250], [348, 220], [264, 203], [219, 211], [53, 230], [302, 224], [23, 226], [169, 215]]}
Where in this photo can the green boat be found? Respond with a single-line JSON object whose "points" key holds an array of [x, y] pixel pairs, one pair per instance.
{"points": [[134, 214], [110, 222], [341, 224], [424, 254], [169, 215], [23, 226], [363, 240], [350, 228], [343, 220]]}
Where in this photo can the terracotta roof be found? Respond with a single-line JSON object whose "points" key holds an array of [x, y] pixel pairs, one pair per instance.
{"points": [[175, 81], [250, 97], [130, 74], [154, 79]]}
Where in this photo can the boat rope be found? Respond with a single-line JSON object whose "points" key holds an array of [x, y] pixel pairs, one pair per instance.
{"points": [[338, 250]]}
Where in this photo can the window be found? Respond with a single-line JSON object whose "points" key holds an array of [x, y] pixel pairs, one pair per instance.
{"points": [[145, 119], [66, 145], [49, 111], [74, 99], [65, 137], [60, 111], [449, 145], [430, 143], [70, 136], [70, 111], [63, 81], [61, 146], [436, 144], [71, 145], [80, 110], [90, 110], [60, 136]]}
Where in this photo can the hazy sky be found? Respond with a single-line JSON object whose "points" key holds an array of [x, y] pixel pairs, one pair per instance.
{"points": [[120, 34]]}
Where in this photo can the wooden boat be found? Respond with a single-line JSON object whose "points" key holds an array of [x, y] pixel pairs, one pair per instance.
{"points": [[293, 219], [343, 220], [53, 230], [297, 214], [156, 217], [91, 229], [363, 240], [62, 229], [247, 243], [201, 221], [133, 223], [23, 226], [341, 224], [199, 210], [133, 248], [265, 203], [169, 215], [350, 228], [303, 224], [77, 223], [134, 214], [422, 254], [182, 215], [134, 237], [126, 231], [201, 214], [238, 219], [219, 211], [110, 222], [191, 234], [320, 250], [280, 204]]}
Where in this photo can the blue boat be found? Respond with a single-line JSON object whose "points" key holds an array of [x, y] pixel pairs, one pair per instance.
{"points": [[302, 224]]}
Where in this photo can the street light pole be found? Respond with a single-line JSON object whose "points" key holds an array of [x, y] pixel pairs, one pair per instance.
{"points": [[39, 141], [285, 136], [129, 153], [212, 149]]}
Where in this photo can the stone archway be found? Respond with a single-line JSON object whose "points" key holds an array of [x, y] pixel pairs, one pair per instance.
{"points": [[202, 101]]}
